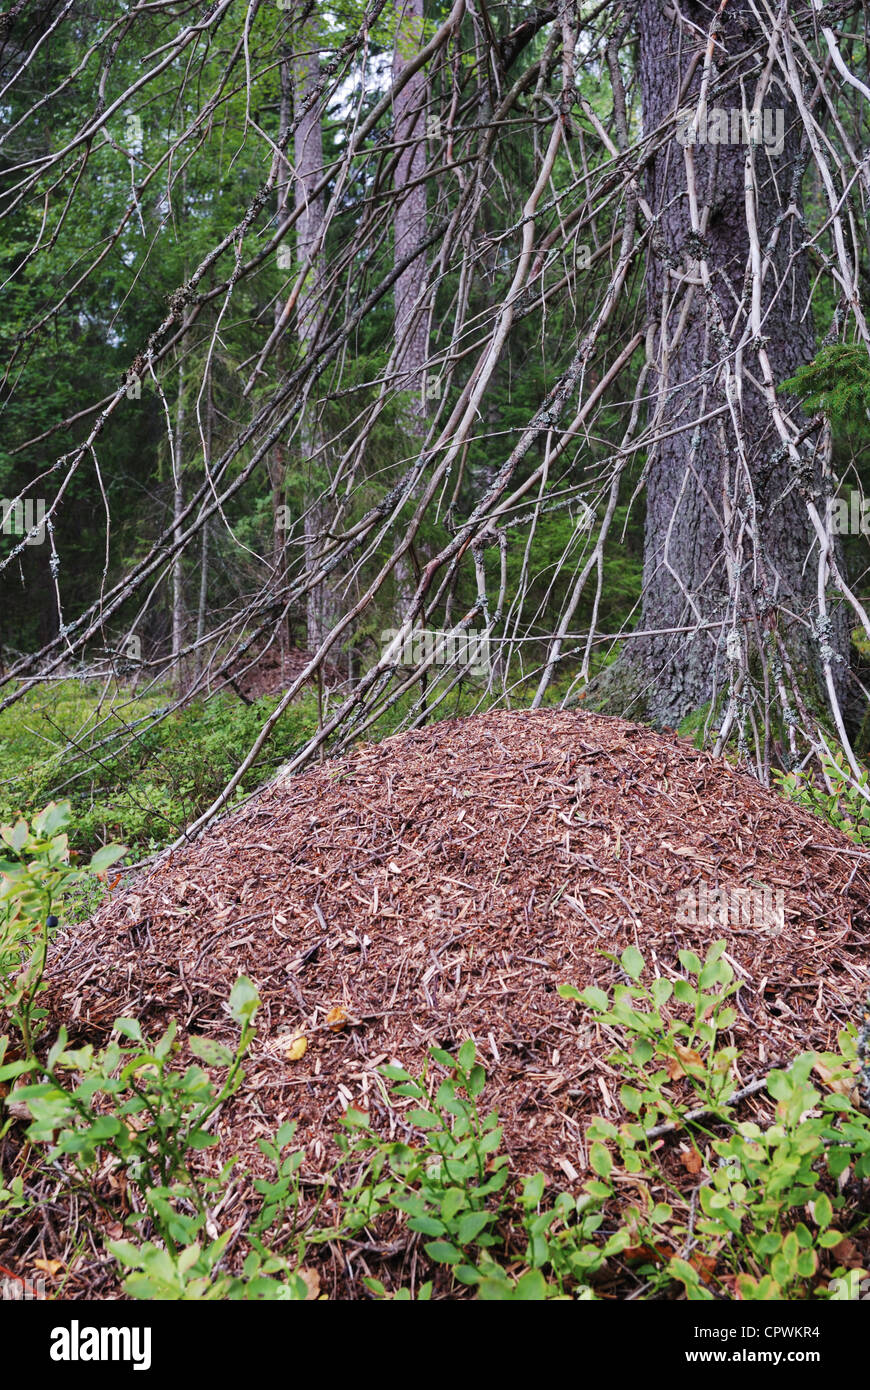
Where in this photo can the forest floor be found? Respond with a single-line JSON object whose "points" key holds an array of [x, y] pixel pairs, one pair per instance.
{"points": [[440, 886], [269, 671]]}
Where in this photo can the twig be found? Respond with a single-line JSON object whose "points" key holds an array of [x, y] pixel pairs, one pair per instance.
{"points": [[756, 1085]]}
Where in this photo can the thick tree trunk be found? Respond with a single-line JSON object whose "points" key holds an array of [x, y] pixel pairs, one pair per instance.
{"points": [[409, 223], [720, 520], [278, 460]]}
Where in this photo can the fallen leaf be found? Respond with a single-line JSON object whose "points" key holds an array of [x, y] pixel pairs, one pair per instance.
{"points": [[297, 1049], [691, 1161], [312, 1283], [655, 1252], [19, 1108], [839, 1084], [846, 1253], [688, 1056], [50, 1267], [704, 1264]]}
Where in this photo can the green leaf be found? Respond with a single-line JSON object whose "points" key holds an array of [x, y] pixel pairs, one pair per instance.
{"points": [[285, 1134], [533, 1189], [828, 1239], [15, 836], [188, 1258], [244, 1000], [453, 1201], [531, 1287], [213, 1053], [631, 1099], [427, 1226], [780, 1084], [106, 857], [200, 1139], [470, 1226], [768, 1244], [130, 1028], [600, 1161], [823, 1210], [595, 998], [13, 1069], [104, 1127], [717, 972], [661, 991], [494, 1290], [466, 1054], [395, 1073], [689, 961], [476, 1080], [52, 818], [688, 1276], [422, 1119], [571, 992], [125, 1252], [632, 962], [443, 1252]]}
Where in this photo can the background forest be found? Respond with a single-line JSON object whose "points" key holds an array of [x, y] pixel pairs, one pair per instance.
{"points": [[324, 320], [364, 365]]}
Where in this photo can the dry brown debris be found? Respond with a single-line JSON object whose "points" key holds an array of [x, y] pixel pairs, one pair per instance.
{"points": [[268, 671], [441, 885]]}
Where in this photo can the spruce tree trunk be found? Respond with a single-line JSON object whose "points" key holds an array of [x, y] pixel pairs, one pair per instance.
{"points": [[278, 459], [409, 223], [699, 485]]}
